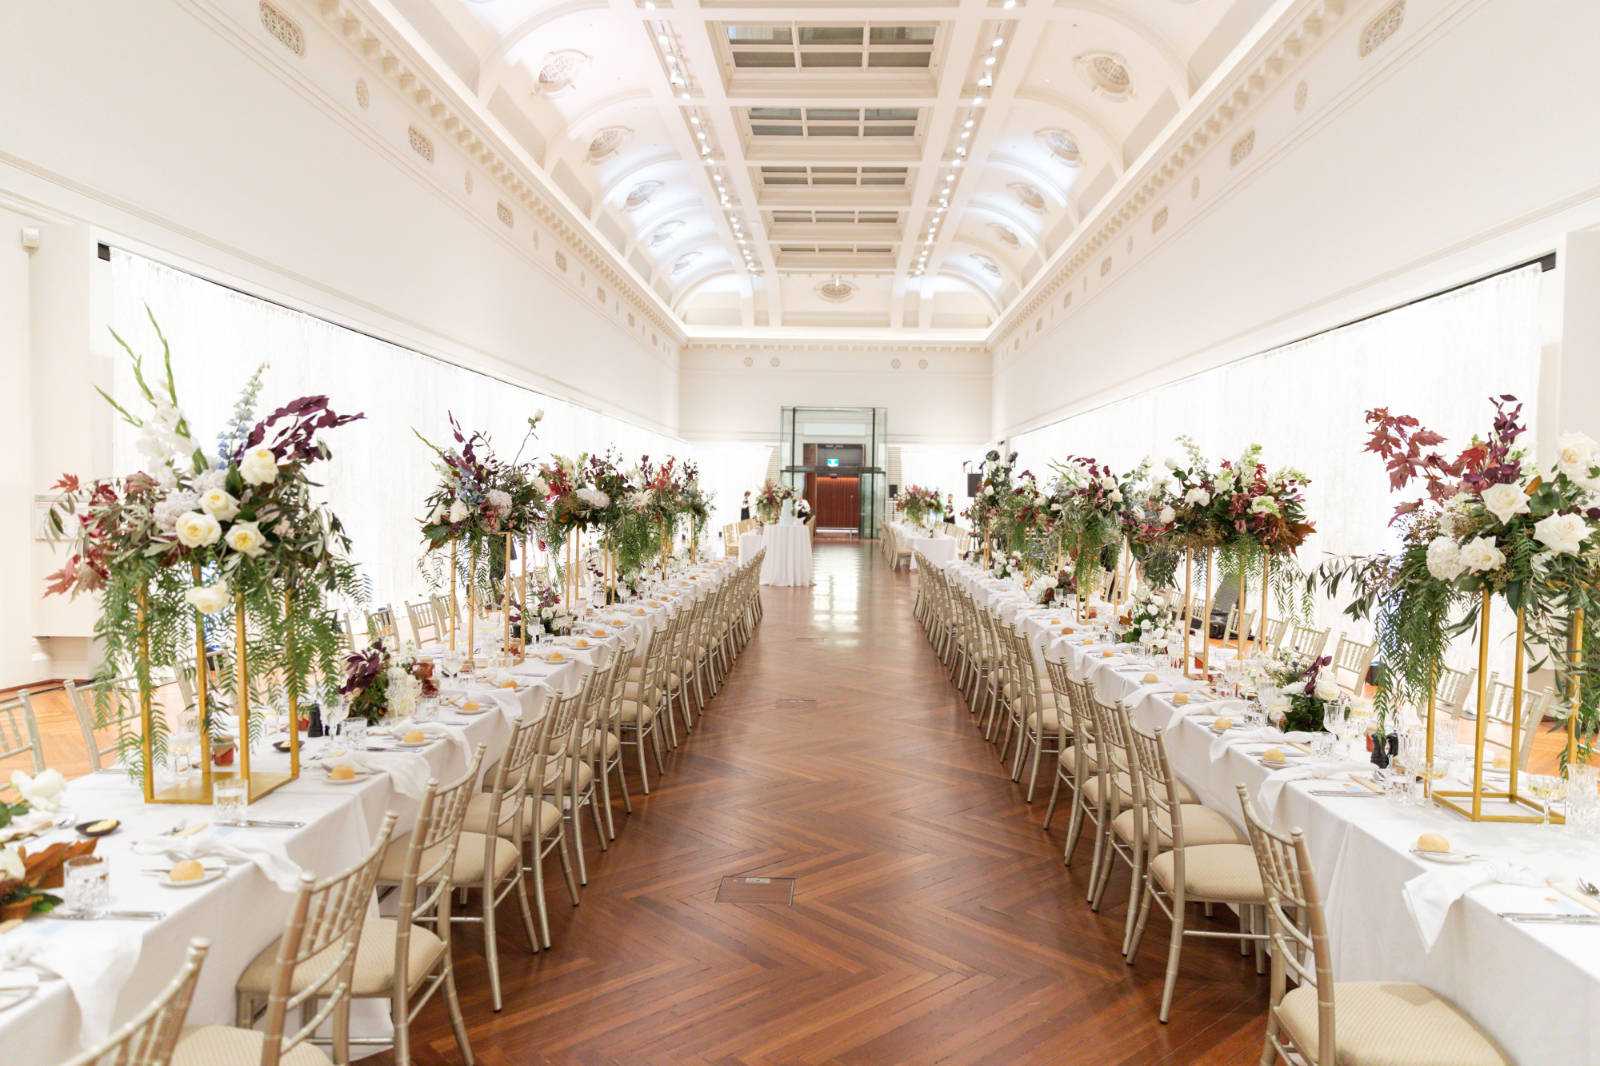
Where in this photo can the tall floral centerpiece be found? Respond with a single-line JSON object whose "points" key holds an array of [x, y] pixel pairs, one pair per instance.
{"points": [[1487, 525], [573, 504], [1023, 523], [1090, 500], [198, 541], [994, 489], [919, 504], [769, 500], [1262, 515], [1189, 494], [665, 487]]}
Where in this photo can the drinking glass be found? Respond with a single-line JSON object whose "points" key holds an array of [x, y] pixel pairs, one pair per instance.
{"points": [[334, 713], [86, 883], [427, 710], [355, 733], [1547, 789], [228, 798], [452, 663]]}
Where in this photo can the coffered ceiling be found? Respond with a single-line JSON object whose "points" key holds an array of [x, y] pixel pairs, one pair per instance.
{"points": [[906, 163]]}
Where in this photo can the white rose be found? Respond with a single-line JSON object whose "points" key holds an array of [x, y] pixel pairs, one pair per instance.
{"points": [[1108, 482], [1505, 501], [458, 512], [207, 599], [1561, 533], [196, 529], [1326, 688], [1172, 464], [541, 486], [42, 793], [258, 466], [1576, 455], [1197, 497], [246, 539], [1444, 559], [1481, 555], [1167, 516], [538, 414], [219, 504], [11, 867], [1115, 496]]}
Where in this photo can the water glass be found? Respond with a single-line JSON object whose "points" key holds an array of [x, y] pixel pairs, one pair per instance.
{"points": [[355, 733], [1583, 801], [427, 710], [228, 798], [86, 883]]}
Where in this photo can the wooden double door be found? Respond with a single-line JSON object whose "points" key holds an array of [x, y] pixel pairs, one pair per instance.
{"points": [[836, 500]]}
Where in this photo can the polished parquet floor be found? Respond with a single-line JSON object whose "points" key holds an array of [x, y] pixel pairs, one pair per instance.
{"points": [[932, 919]]}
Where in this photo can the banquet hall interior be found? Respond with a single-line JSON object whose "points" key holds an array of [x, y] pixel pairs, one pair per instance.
{"points": [[799, 531]]}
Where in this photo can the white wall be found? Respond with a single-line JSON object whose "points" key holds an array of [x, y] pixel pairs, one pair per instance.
{"points": [[945, 402], [179, 129], [1460, 147]]}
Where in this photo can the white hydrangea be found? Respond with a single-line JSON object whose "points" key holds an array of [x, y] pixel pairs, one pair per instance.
{"points": [[1444, 559]]}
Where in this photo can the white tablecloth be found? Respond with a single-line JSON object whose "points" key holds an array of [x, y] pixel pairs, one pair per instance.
{"points": [[750, 543], [788, 559], [938, 548]]}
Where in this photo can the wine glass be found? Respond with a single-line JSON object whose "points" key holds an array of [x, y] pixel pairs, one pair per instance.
{"points": [[1547, 789], [334, 713]]}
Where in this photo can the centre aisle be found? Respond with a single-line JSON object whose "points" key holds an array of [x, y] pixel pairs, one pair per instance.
{"points": [[932, 920]]}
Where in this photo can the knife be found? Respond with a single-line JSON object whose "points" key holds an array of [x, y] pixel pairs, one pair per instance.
{"points": [[115, 916], [270, 823], [1342, 792], [1545, 918]]}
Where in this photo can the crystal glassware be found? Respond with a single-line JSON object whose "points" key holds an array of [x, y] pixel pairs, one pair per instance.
{"points": [[354, 732], [86, 883], [228, 798], [1547, 789]]}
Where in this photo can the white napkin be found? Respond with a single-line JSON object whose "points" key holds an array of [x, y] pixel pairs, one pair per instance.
{"points": [[408, 771], [1241, 736], [1430, 895], [210, 843], [1315, 770]]}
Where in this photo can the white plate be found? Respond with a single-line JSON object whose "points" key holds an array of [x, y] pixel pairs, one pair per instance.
{"points": [[360, 775], [215, 869], [1446, 858]]}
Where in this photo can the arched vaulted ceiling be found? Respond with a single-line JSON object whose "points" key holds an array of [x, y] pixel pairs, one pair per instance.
{"points": [[877, 164]]}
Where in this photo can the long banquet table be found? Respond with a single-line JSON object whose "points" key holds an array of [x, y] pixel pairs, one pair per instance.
{"points": [[935, 547], [95, 975], [1535, 988]]}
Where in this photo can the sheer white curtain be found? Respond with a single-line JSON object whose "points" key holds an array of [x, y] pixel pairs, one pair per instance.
{"points": [[380, 472], [1439, 360], [729, 469], [938, 466]]}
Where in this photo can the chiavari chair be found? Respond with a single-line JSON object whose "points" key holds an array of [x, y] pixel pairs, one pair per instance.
{"points": [[642, 699], [19, 733], [424, 623], [1188, 870], [1308, 641], [381, 625], [398, 959], [1351, 661], [574, 766], [546, 823], [118, 709], [1325, 1022], [1233, 630], [1273, 632], [324, 925], [1074, 747], [1534, 705], [151, 1038]]}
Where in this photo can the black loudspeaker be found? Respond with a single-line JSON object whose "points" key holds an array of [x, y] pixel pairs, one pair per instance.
{"points": [[894, 490], [973, 483]]}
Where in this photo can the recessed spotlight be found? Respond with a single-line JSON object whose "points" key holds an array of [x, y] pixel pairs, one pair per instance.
{"points": [[988, 61], [718, 178], [977, 101], [965, 134], [971, 122], [663, 40], [986, 81], [998, 41], [683, 96], [1009, 4], [695, 119]]}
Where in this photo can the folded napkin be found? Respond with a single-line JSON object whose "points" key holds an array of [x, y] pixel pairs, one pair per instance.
{"points": [[213, 842], [1308, 770], [1430, 895], [407, 770], [1235, 736]]}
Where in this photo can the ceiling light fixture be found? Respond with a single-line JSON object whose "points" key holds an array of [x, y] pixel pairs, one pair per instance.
{"points": [[999, 41], [977, 101]]}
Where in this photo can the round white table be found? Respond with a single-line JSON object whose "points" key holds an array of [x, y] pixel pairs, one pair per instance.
{"points": [[788, 559], [750, 543]]}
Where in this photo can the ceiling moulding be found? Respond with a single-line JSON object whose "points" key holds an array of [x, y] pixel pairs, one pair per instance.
{"points": [[408, 66], [738, 346], [1277, 52]]}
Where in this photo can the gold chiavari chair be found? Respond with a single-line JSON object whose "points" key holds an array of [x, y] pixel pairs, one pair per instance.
{"points": [[381, 625], [152, 1036], [1308, 641], [424, 623], [397, 959], [643, 698], [119, 711], [489, 856], [571, 764], [1324, 1022], [19, 734], [1233, 630], [324, 924], [1351, 661], [603, 745], [442, 615], [1273, 633], [1188, 871], [1074, 748], [546, 825], [1534, 705]]}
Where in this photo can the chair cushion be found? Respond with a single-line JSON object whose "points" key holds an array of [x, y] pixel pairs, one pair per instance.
{"points": [[1222, 872], [1091, 789], [374, 972], [631, 712], [563, 770], [1069, 755], [1201, 825], [478, 818], [223, 1045], [1389, 1023], [1052, 724], [468, 866]]}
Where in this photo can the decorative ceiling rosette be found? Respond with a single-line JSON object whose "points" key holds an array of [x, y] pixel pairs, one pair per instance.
{"points": [[1006, 235], [559, 71], [836, 290], [1106, 73], [665, 232], [640, 195], [1059, 143], [605, 144], [1030, 197]]}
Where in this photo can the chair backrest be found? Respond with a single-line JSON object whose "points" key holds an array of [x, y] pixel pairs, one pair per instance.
{"points": [[348, 634], [1308, 640], [1453, 688], [1534, 705], [152, 1036], [1351, 661], [326, 917], [1157, 786], [1234, 632], [1289, 885], [561, 721], [1275, 631], [19, 734], [422, 617], [114, 704], [1114, 755], [434, 839]]}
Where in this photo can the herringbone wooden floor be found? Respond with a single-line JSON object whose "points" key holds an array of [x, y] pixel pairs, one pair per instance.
{"points": [[932, 920]]}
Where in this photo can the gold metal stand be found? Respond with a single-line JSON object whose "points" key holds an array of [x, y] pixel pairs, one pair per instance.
{"points": [[470, 662], [1188, 605], [455, 609], [1512, 807], [1205, 622]]}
